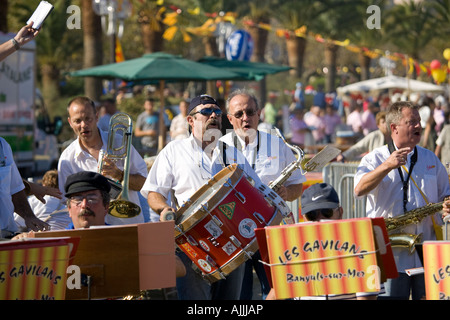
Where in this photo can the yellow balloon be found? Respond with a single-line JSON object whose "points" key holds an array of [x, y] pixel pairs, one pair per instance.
{"points": [[438, 75], [446, 54]]}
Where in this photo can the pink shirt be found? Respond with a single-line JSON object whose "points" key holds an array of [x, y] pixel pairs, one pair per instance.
{"points": [[298, 124], [331, 121], [317, 126]]}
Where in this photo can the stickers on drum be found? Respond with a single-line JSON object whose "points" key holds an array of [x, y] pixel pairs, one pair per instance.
{"points": [[247, 228], [204, 245], [204, 265], [213, 229], [229, 248], [228, 209]]}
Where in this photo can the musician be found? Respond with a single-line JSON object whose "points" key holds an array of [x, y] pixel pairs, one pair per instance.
{"points": [[268, 155], [321, 202], [83, 155], [13, 197], [397, 178], [180, 169]]}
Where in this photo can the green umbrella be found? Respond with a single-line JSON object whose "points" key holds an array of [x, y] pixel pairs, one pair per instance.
{"points": [[247, 70], [157, 66], [161, 67]]}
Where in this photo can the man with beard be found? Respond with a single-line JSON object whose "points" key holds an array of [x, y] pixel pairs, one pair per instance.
{"points": [[399, 177], [268, 155], [179, 170], [83, 155]]}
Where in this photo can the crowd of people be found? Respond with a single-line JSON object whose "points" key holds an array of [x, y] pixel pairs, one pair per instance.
{"points": [[396, 173]]}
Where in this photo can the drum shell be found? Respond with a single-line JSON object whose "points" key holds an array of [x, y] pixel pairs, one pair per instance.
{"points": [[217, 234]]}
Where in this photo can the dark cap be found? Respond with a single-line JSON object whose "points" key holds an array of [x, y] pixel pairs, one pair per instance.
{"points": [[202, 99], [319, 196], [85, 181]]}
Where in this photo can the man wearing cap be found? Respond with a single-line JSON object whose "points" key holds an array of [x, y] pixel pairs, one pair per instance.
{"points": [[179, 170], [83, 154], [321, 202], [88, 199], [268, 155]]}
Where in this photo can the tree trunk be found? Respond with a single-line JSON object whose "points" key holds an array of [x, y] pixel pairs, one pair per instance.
{"points": [[364, 63], [4, 16], [152, 32], [331, 51], [50, 87], [296, 49], [259, 37], [93, 49]]}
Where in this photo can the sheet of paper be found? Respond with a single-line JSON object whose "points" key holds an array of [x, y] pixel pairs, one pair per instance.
{"points": [[40, 14]]}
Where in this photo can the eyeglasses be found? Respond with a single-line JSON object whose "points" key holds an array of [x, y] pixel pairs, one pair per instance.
{"points": [[249, 113], [209, 111], [326, 213], [91, 199]]}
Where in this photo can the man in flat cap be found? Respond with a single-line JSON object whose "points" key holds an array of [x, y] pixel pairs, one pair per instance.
{"points": [[88, 199]]}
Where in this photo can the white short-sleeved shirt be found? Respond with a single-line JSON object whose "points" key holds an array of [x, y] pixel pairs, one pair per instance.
{"points": [[74, 159], [272, 157], [386, 200], [10, 183], [182, 167]]}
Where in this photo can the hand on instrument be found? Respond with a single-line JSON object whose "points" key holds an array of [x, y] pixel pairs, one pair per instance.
{"points": [[282, 192], [398, 158], [168, 214], [110, 169], [446, 207]]}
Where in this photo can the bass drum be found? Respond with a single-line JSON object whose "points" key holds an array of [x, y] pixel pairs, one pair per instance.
{"points": [[216, 227]]}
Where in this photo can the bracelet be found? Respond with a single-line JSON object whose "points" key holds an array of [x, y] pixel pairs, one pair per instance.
{"points": [[15, 43]]}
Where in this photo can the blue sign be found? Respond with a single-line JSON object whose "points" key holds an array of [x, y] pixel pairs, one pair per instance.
{"points": [[239, 46]]}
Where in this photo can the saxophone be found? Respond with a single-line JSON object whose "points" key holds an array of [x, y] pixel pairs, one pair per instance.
{"points": [[289, 170], [414, 216]]}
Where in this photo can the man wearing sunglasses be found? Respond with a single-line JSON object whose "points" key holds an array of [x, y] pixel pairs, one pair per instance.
{"points": [[321, 202], [268, 155], [179, 170]]}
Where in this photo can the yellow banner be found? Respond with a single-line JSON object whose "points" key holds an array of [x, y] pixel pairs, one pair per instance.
{"points": [[34, 273], [436, 261], [332, 257]]}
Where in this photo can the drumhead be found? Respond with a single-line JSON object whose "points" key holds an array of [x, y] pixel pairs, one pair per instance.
{"points": [[207, 192]]}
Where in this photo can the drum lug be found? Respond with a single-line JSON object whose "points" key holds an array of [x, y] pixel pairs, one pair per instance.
{"points": [[235, 241], [260, 218], [241, 197], [217, 221]]}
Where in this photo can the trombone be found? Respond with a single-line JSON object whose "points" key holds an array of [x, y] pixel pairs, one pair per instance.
{"points": [[121, 128]]}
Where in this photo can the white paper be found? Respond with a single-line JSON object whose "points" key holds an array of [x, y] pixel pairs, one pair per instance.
{"points": [[40, 14]]}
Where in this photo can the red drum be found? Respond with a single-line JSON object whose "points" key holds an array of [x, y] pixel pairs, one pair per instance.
{"points": [[216, 227]]}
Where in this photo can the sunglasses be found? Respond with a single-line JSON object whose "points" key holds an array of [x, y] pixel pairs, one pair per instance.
{"points": [[209, 111], [325, 213], [249, 113]]}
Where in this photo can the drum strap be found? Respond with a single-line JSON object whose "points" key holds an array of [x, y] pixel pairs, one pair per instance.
{"points": [[237, 144], [405, 182]]}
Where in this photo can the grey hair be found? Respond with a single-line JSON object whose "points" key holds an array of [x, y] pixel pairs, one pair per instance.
{"points": [[243, 92], [394, 113]]}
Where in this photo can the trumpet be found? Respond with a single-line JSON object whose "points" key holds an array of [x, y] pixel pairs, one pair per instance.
{"points": [[120, 127]]}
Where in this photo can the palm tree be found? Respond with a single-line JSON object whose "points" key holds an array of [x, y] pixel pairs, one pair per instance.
{"points": [[296, 17], [366, 38], [93, 48], [334, 23], [150, 17], [4, 15], [410, 27]]}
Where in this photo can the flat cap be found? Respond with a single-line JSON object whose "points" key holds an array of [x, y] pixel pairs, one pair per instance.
{"points": [[85, 181]]}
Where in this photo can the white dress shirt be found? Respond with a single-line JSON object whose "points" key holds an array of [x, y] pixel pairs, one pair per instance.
{"points": [[386, 200], [74, 159]]}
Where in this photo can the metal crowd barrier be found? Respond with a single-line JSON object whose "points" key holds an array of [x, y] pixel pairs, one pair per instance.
{"points": [[340, 176]]}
